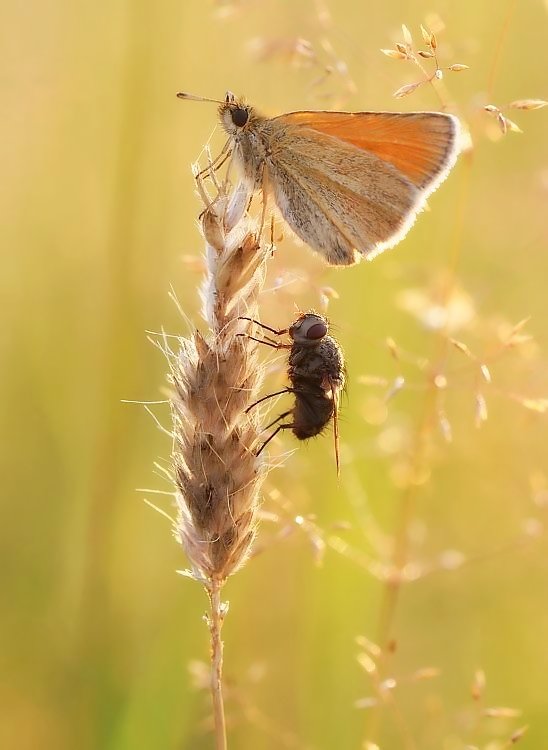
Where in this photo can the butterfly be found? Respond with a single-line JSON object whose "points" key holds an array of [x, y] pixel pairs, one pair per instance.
{"points": [[349, 184]]}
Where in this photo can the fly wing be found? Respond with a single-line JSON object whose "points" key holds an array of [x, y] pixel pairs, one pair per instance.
{"points": [[341, 200], [335, 392], [422, 145]]}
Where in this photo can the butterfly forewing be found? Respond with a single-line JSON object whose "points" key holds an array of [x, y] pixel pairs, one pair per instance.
{"points": [[422, 145]]}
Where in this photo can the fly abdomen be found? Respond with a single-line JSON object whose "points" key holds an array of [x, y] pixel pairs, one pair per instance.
{"points": [[312, 412]]}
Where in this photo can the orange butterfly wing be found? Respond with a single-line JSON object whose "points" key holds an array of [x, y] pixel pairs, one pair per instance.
{"points": [[422, 145]]}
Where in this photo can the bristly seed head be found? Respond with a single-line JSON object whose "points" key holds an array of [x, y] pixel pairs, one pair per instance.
{"points": [[215, 378]]}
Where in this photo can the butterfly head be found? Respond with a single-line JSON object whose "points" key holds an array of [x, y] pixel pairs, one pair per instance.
{"points": [[235, 114]]}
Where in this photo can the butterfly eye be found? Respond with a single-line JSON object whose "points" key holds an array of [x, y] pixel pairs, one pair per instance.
{"points": [[239, 116]]}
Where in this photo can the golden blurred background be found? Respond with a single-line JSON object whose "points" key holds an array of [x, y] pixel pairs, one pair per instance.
{"points": [[445, 473]]}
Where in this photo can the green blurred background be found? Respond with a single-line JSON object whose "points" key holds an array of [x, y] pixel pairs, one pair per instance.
{"points": [[102, 642]]}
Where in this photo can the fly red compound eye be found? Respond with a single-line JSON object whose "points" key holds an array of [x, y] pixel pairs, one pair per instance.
{"points": [[317, 331]]}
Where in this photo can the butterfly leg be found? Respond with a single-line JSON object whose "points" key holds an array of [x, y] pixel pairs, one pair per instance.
{"points": [[264, 190], [217, 162], [272, 235]]}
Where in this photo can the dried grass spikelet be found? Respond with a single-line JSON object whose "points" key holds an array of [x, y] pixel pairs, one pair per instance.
{"points": [[216, 377]]}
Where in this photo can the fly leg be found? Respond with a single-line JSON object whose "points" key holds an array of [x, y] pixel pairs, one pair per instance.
{"points": [[283, 426], [266, 340], [278, 332], [265, 398]]}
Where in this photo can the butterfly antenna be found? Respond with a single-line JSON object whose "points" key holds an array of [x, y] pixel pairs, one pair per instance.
{"points": [[195, 98]]}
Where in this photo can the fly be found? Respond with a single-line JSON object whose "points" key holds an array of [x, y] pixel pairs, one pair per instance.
{"points": [[316, 372]]}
